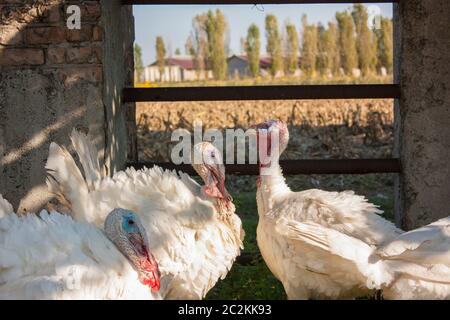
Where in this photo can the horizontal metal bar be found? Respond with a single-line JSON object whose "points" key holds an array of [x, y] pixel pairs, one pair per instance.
{"points": [[291, 167], [224, 2], [289, 92]]}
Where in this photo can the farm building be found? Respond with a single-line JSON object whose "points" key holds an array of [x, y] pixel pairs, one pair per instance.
{"points": [[182, 68], [176, 69], [238, 67]]}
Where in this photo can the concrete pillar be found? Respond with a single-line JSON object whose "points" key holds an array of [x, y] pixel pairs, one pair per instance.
{"points": [[118, 71], [53, 79], [423, 113]]}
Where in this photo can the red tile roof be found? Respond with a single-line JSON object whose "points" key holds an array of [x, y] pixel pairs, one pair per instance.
{"points": [[185, 63]]}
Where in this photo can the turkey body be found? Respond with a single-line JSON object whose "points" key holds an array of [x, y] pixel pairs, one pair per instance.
{"points": [[321, 248], [51, 256], [194, 239], [419, 261], [317, 243]]}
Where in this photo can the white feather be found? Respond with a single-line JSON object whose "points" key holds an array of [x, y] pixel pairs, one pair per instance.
{"points": [[420, 261], [88, 158], [51, 256], [5, 207], [193, 246]]}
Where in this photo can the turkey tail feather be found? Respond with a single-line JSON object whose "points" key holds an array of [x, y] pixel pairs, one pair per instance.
{"points": [[64, 178], [88, 155]]}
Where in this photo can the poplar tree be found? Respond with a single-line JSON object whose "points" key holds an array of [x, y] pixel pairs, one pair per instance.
{"points": [[138, 64], [347, 42], [332, 48], [253, 48], [160, 55], [364, 40], [197, 44], [385, 49], [309, 47], [216, 28], [291, 48], [322, 54], [273, 44]]}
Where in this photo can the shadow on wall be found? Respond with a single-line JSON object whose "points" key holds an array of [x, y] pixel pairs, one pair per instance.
{"points": [[118, 71], [51, 81]]}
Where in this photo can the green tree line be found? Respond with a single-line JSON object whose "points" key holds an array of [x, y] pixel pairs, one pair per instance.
{"points": [[341, 47]]}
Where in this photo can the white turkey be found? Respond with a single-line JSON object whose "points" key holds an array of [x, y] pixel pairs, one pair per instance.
{"points": [[415, 265], [291, 225], [193, 230], [51, 256], [419, 261]]}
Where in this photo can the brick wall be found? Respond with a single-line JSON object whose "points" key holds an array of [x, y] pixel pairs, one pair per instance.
{"points": [[37, 36], [53, 79]]}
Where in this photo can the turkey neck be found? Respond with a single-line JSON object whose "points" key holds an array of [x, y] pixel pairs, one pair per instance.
{"points": [[226, 214], [271, 187], [224, 210]]}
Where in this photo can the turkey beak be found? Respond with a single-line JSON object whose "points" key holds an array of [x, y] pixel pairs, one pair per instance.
{"points": [[145, 263]]}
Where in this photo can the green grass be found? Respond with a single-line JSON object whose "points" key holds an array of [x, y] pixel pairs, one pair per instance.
{"points": [[386, 204], [254, 280]]}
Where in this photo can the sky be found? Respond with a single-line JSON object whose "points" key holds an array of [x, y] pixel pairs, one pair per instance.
{"points": [[174, 23]]}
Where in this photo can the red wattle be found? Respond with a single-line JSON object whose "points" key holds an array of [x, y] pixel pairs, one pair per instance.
{"points": [[153, 283]]}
